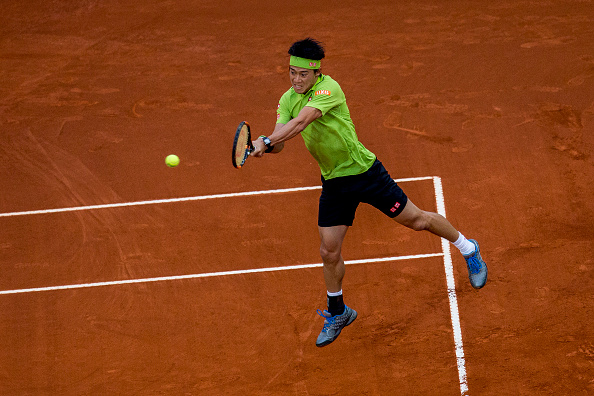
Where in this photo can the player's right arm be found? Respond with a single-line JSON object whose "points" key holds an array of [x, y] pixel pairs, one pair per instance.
{"points": [[279, 146], [283, 132]]}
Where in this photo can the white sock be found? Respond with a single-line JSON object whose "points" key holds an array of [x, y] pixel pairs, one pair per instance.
{"points": [[464, 245], [334, 294]]}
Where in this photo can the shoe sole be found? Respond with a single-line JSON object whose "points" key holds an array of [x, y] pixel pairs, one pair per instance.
{"points": [[351, 320]]}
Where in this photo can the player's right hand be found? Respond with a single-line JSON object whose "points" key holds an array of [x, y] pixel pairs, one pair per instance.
{"points": [[259, 148]]}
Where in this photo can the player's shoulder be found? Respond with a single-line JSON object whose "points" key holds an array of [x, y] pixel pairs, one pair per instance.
{"points": [[328, 87], [328, 82]]}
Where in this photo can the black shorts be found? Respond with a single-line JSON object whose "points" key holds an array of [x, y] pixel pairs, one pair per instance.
{"points": [[341, 196]]}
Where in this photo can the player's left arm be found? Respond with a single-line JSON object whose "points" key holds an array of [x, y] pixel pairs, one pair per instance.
{"points": [[284, 132]]}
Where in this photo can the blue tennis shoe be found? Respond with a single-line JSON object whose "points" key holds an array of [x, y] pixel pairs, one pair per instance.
{"points": [[477, 268], [333, 325]]}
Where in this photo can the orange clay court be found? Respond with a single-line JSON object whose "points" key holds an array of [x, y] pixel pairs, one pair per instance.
{"points": [[122, 276]]}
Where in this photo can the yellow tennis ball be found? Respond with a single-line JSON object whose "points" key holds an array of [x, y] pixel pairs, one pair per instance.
{"points": [[172, 160]]}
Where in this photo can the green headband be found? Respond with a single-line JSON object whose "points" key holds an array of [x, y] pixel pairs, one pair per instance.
{"points": [[305, 63]]}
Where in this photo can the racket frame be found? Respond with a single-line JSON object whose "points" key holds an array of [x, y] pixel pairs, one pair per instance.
{"points": [[249, 147]]}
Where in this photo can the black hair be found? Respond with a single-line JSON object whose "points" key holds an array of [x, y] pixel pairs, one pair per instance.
{"points": [[307, 48]]}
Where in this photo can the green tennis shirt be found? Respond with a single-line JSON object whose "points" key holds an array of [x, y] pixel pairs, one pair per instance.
{"points": [[331, 139]]}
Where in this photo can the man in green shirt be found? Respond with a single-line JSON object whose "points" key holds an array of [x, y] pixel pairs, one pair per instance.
{"points": [[315, 107]]}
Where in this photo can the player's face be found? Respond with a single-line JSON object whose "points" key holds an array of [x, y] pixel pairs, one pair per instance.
{"points": [[302, 79]]}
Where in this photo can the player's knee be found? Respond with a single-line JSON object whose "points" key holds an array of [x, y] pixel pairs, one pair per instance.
{"points": [[420, 222], [329, 254]]}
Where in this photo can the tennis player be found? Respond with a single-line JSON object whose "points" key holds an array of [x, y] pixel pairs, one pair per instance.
{"points": [[315, 107]]}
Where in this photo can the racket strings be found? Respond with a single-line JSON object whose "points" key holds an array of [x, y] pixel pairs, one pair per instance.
{"points": [[242, 142]]}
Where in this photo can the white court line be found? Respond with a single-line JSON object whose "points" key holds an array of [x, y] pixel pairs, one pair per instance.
{"points": [[449, 270], [172, 200], [212, 274]]}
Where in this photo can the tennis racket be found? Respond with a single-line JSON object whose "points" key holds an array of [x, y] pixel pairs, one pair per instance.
{"points": [[242, 144]]}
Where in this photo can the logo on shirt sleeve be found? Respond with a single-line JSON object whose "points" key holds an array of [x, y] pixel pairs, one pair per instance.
{"points": [[322, 92]]}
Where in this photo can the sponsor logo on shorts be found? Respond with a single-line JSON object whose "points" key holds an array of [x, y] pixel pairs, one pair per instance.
{"points": [[395, 207], [277, 116], [322, 92]]}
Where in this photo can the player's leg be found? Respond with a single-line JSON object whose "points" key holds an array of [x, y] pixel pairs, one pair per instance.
{"points": [[383, 193], [336, 215], [421, 220], [331, 239]]}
